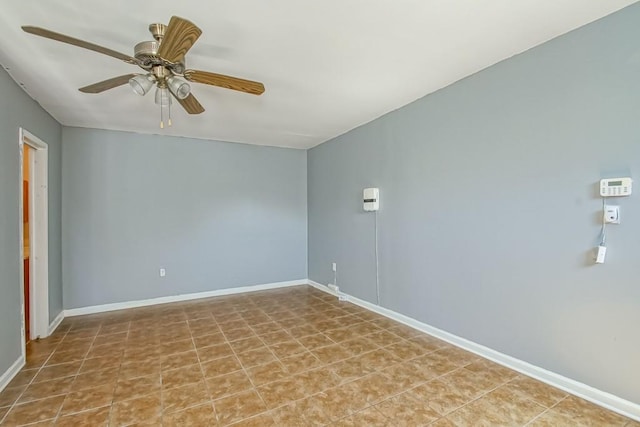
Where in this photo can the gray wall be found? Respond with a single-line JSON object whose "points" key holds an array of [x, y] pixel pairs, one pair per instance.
{"points": [[489, 207], [215, 215], [18, 110]]}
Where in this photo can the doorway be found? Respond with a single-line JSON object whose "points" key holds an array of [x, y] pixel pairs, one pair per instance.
{"points": [[34, 245], [26, 191]]}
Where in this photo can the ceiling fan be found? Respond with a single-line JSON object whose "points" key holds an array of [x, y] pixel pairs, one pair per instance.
{"points": [[163, 61]]}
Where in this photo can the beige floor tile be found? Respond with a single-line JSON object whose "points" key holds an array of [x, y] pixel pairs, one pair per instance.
{"points": [[367, 417], [209, 340], [376, 387], [222, 366], [90, 398], [341, 401], [406, 409], [351, 369], [300, 362], [585, 412], [216, 351], [246, 344], [179, 360], [138, 369], [110, 339], [331, 353], [72, 354], [312, 412], [177, 399], [442, 422], [32, 412], [317, 380], [286, 357], [201, 416], [275, 337], [95, 379], [262, 420], [3, 412], [182, 376], [266, 373], [48, 373], [46, 389], [535, 390], [100, 363], [145, 409], [440, 396], [9, 395], [514, 409], [229, 384], [136, 387], [95, 417], [238, 333], [404, 374], [238, 407], [255, 357], [23, 377], [312, 342], [278, 393]]}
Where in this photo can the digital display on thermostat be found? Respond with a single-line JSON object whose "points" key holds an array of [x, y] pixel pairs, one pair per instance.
{"points": [[614, 183]]}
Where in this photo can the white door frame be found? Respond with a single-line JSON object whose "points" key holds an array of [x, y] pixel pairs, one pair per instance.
{"points": [[38, 235]]}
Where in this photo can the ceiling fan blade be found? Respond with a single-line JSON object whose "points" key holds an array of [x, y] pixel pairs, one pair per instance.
{"points": [[191, 104], [178, 39], [77, 42], [235, 83], [107, 84]]}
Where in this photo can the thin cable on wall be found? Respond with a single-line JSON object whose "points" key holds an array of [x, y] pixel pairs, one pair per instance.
{"points": [[375, 226], [603, 234]]}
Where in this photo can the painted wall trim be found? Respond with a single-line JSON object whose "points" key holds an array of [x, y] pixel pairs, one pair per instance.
{"points": [[599, 397], [56, 322], [13, 370], [176, 298]]}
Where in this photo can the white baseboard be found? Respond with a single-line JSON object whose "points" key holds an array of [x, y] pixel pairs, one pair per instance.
{"points": [[56, 322], [13, 370], [599, 397], [176, 298]]}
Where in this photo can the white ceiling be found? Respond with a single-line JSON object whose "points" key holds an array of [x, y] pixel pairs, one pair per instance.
{"points": [[328, 66]]}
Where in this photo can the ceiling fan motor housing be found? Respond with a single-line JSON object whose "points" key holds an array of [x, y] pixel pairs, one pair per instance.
{"points": [[147, 53]]}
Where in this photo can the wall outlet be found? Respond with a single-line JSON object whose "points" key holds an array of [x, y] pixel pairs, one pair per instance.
{"points": [[334, 266], [162, 272], [612, 214]]}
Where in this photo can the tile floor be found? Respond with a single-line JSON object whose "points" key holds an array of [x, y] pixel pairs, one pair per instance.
{"points": [[287, 357]]}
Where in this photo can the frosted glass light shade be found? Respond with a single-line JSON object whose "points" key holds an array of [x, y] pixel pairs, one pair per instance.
{"points": [[179, 88], [141, 84], [163, 97]]}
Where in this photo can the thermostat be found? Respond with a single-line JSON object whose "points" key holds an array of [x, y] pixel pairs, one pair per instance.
{"points": [[615, 187], [371, 198]]}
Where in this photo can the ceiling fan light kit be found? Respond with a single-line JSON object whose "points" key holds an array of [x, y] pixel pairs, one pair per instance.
{"points": [[163, 61]]}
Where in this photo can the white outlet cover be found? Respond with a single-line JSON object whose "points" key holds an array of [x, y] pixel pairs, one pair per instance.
{"points": [[612, 214]]}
